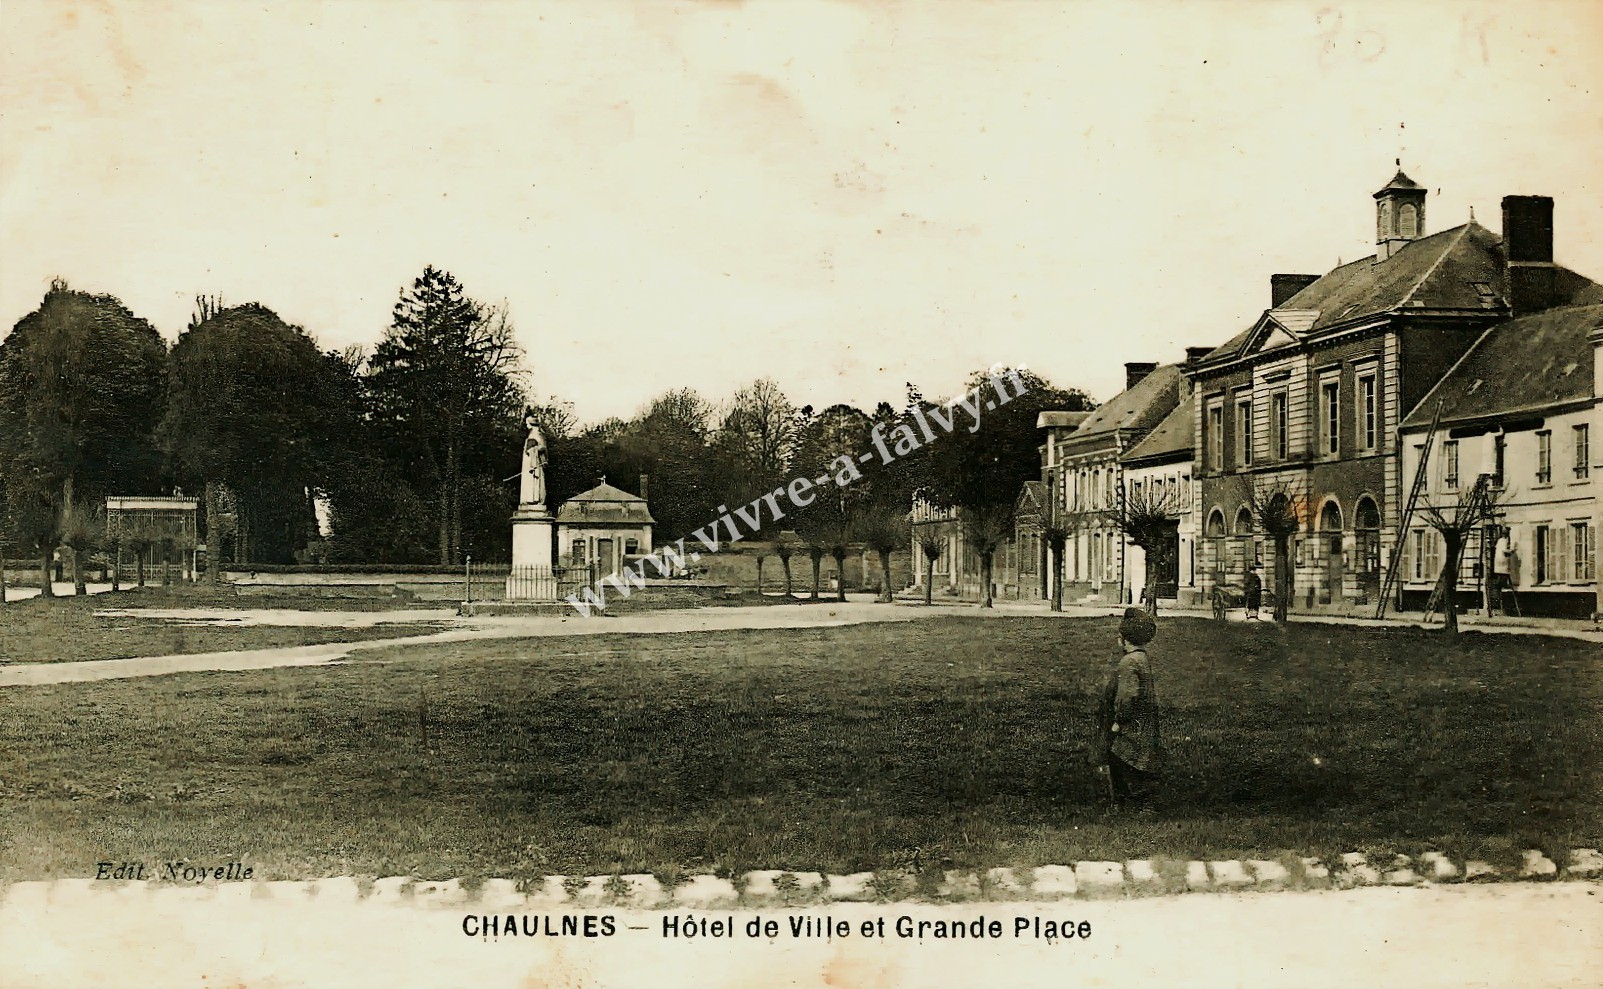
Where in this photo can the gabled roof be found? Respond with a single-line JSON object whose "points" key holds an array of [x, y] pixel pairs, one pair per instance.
{"points": [[605, 504], [1173, 438], [1057, 418], [1456, 269], [1033, 493], [1139, 408], [1524, 365]]}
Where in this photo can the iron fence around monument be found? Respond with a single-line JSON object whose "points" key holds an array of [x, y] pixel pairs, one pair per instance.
{"points": [[501, 581]]}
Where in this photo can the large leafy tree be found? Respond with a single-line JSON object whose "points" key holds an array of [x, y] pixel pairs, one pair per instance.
{"points": [[981, 472], [254, 407], [757, 440], [444, 394], [81, 384]]}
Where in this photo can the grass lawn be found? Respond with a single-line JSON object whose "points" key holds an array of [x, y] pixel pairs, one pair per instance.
{"points": [[942, 742], [41, 630]]}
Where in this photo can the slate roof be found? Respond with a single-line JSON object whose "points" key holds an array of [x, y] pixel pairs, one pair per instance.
{"points": [[1138, 408], [1399, 181], [1173, 438], [1057, 418], [1524, 365], [605, 504], [1442, 271]]}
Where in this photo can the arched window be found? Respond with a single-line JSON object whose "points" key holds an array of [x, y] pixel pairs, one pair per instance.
{"points": [[1367, 516], [1330, 517], [1408, 220], [1244, 521], [1366, 520], [1216, 524]]}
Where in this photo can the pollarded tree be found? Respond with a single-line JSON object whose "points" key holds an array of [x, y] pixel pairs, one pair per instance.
{"points": [[1277, 509], [1147, 515], [1454, 523], [883, 528], [81, 383], [83, 530]]}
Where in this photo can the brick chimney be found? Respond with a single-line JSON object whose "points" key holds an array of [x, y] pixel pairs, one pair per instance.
{"points": [[1283, 287], [1196, 354], [645, 492], [1528, 254], [1134, 371]]}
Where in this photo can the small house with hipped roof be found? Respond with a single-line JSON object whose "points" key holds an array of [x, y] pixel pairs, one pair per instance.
{"points": [[604, 527]]}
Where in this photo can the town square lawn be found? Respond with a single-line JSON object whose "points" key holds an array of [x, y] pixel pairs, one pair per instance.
{"points": [[66, 629], [935, 743]]}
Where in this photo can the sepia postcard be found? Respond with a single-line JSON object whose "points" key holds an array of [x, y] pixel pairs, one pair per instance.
{"points": [[792, 493]]}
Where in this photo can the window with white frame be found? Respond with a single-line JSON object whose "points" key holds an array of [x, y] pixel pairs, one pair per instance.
{"points": [[1279, 442], [1583, 451], [1330, 405], [1216, 436], [1544, 457], [1419, 554], [1368, 413], [1582, 552], [1450, 465], [1244, 432]]}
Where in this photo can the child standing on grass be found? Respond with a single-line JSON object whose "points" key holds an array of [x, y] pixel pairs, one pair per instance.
{"points": [[1129, 715]]}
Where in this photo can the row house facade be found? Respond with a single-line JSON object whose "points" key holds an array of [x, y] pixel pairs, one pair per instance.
{"points": [[1158, 471], [1306, 403], [1522, 408], [1018, 566], [1085, 479]]}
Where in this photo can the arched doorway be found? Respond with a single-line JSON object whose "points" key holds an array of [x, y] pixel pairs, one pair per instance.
{"points": [[1366, 548], [1213, 543], [1330, 538]]}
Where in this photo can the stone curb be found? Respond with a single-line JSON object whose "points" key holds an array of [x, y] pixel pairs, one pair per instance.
{"points": [[768, 888]]}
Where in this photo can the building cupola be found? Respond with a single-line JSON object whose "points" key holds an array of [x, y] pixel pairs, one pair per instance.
{"points": [[1399, 215]]}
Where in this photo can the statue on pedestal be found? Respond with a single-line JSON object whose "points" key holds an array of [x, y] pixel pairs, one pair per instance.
{"points": [[532, 489]]}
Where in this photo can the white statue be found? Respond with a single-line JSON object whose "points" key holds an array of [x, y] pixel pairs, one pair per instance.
{"points": [[532, 488]]}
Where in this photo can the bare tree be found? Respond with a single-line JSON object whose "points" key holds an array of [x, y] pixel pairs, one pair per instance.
{"points": [[1454, 523], [1277, 509], [1147, 514]]}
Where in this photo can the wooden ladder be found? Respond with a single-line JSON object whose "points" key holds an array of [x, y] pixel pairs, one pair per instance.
{"points": [[1399, 550]]}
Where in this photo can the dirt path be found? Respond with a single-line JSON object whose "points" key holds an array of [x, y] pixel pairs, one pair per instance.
{"points": [[464, 630]]}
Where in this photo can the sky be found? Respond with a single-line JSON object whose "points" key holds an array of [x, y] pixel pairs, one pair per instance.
{"points": [[843, 196]]}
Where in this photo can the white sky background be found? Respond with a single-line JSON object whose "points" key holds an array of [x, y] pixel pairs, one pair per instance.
{"points": [[845, 196]]}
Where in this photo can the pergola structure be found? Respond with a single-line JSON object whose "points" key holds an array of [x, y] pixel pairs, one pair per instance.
{"points": [[162, 526]]}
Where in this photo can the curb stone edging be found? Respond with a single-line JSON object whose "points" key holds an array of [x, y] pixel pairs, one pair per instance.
{"points": [[774, 887]]}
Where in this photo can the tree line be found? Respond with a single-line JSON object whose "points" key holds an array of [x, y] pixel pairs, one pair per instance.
{"points": [[414, 444]]}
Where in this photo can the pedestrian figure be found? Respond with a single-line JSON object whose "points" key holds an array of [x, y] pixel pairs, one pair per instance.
{"points": [[1503, 573], [1254, 593], [1128, 737]]}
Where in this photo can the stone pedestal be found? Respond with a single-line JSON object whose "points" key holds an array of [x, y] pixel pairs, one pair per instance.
{"points": [[533, 534]]}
